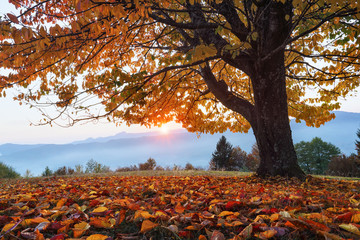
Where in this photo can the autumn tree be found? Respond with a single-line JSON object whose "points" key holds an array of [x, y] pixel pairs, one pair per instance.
{"points": [[222, 155], [346, 166], [238, 159], [314, 156], [150, 164], [211, 65]]}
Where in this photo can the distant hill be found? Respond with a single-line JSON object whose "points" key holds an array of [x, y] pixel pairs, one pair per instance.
{"points": [[177, 147]]}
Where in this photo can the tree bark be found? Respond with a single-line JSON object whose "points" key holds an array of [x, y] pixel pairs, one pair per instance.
{"points": [[265, 66], [271, 124]]}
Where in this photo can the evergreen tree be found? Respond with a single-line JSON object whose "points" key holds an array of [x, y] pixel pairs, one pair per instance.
{"points": [[357, 143], [222, 155], [47, 172], [314, 156]]}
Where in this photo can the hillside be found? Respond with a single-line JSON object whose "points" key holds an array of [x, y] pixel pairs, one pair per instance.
{"points": [[177, 147]]}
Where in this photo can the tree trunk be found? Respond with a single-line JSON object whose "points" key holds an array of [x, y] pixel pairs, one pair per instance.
{"points": [[271, 125]]}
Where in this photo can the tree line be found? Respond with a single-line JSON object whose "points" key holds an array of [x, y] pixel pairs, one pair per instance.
{"points": [[315, 157]]}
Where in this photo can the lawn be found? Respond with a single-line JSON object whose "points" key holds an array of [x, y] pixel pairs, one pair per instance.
{"points": [[168, 205]]}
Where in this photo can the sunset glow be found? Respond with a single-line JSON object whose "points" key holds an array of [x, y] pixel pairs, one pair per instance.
{"points": [[164, 129]]}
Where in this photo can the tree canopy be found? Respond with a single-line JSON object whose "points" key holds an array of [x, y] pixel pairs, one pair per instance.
{"points": [[314, 156], [210, 65]]}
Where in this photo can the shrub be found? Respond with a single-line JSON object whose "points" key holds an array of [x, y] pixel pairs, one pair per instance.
{"points": [[150, 164], [344, 166], [159, 168], [7, 172], [127, 169], [94, 167], [189, 166], [62, 171]]}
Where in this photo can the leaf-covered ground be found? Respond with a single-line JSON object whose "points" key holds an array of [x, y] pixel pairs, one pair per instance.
{"points": [[179, 207]]}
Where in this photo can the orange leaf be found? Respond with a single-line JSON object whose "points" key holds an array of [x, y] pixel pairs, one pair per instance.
{"points": [[225, 213], [179, 208], [289, 224], [120, 218], [147, 225], [268, 234], [38, 220], [78, 232], [61, 203], [97, 237], [355, 218], [143, 214], [202, 237]]}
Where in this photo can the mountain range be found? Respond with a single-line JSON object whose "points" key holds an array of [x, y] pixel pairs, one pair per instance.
{"points": [[177, 147]]}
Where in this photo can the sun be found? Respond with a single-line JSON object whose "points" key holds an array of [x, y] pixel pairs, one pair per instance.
{"points": [[164, 129]]}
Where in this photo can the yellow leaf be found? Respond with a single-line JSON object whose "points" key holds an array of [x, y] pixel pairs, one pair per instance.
{"points": [[7, 227], [350, 228], [160, 214], [225, 213], [147, 225], [97, 237], [82, 225], [100, 209]]}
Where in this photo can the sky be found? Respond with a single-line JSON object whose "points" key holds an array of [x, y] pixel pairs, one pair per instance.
{"points": [[16, 127]]}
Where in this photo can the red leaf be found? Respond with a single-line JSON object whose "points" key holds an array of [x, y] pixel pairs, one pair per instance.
{"points": [[13, 18], [58, 237], [233, 205], [346, 217]]}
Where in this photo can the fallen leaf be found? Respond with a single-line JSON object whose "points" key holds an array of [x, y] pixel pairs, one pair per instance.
{"points": [[217, 235], [100, 210], [268, 234], [97, 237], [147, 225], [350, 228]]}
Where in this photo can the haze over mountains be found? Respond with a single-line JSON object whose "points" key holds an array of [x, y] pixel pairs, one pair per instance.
{"points": [[177, 147]]}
